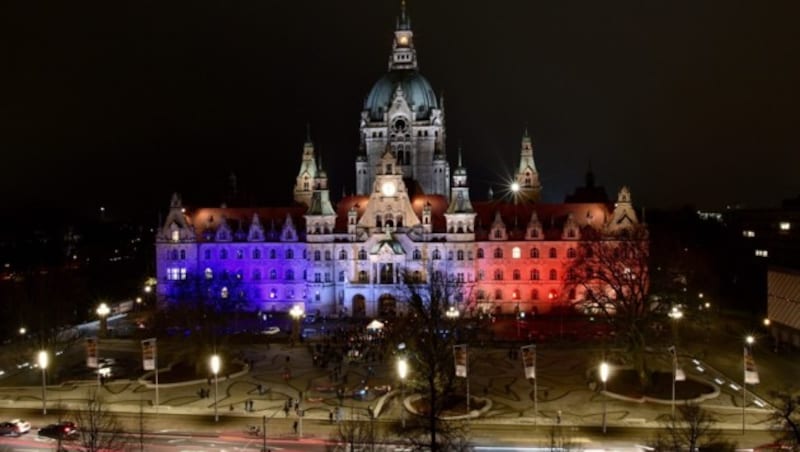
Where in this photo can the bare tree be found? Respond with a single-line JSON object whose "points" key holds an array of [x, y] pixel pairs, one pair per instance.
{"points": [[559, 440], [99, 428], [692, 429], [786, 417], [430, 336], [613, 273], [355, 434]]}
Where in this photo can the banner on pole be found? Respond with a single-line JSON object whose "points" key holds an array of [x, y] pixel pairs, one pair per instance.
{"points": [[529, 361], [91, 352], [750, 371], [677, 373], [460, 354], [149, 354]]}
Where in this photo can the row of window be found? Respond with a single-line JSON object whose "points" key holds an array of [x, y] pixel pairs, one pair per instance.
{"points": [[516, 275], [517, 295]]}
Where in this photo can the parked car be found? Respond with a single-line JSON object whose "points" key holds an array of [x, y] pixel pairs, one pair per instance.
{"points": [[14, 427], [62, 430]]}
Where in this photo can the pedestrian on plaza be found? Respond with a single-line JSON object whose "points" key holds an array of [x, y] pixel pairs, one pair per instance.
{"points": [[294, 426], [558, 417], [330, 416]]}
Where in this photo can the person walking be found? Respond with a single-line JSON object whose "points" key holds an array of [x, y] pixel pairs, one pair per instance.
{"points": [[294, 426]]}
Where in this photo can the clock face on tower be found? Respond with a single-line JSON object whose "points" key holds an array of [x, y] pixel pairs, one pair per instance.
{"points": [[388, 188]]}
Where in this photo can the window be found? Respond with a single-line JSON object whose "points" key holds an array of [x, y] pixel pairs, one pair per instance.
{"points": [[498, 294], [460, 255], [183, 254], [362, 254], [498, 275], [256, 253], [553, 253], [481, 275], [342, 255], [289, 254], [290, 275], [480, 253], [173, 255], [450, 255], [272, 254], [498, 234], [535, 294], [317, 277], [516, 253], [460, 278], [224, 292], [273, 293], [239, 254], [362, 277], [223, 254], [436, 254], [762, 253], [498, 253], [341, 276], [257, 275], [209, 274], [176, 235], [273, 274], [534, 253], [785, 226], [553, 275], [571, 254], [416, 255], [317, 255], [175, 274], [515, 275], [748, 233], [327, 255], [534, 275]]}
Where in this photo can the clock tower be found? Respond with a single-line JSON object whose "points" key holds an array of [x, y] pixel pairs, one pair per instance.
{"points": [[389, 207]]}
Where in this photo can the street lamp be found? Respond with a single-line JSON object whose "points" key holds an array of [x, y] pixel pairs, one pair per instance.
{"points": [[102, 311], [215, 366], [675, 314], [402, 372], [296, 312], [43, 359], [22, 330], [749, 340], [604, 378]]}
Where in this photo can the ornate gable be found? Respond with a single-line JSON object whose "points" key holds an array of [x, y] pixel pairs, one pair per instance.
{"points": [[498, 230], [256, 232]]}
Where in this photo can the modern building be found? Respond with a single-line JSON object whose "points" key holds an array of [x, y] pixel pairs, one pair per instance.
{"points": [[411, 221]]}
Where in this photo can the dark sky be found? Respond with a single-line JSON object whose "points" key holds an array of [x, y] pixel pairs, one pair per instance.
{"points": [[120, 103]]}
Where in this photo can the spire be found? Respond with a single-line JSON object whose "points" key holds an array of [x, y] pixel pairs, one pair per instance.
{"points": [[308, 132], [404, 22], [527, 175], [459, 157], [403, 54]]}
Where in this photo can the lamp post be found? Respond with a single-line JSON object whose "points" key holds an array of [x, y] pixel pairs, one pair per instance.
{"points": [[43, 359], [22, 331], [749, 340], [675, 314], [296, 313], [102, 312], [215, 366], [402, 372], [604, 378]]}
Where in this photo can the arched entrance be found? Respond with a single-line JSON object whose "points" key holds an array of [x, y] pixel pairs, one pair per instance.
{"points": [[387, 306], [359, 306]]}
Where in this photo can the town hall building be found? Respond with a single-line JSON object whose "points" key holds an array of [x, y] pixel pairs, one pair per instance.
{"points": [[410, 222]]}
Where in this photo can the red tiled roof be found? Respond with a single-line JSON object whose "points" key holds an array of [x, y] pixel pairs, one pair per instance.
{"points": [[239, 218]]}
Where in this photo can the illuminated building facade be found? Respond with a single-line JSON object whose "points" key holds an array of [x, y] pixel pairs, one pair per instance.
{"points": [[410, 221]]}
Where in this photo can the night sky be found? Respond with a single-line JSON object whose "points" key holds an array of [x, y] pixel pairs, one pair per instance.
{"points": [[121, 103]]}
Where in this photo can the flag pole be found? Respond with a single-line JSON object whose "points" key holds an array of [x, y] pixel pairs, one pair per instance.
{"points": [[535, 399], [155, 359]]}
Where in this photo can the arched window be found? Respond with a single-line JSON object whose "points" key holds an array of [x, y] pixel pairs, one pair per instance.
{"points": [[183, 254], [417, 277], [553, 275], [480, 253], [553, 253], [341, 276], [571, 254], [498, 253], [289, 253], [272, 254], [534, 253], [257, 275], [436, 254], [362, 254], [343, 255], [273, 274], [209, 273], [460, 255], [534, 275], [450, 255], [498, 275], [498, 294], [362, 277], [327, 255], [516, 253], [290, 275], [239, 253], [317, 255], [535, 294], [256, 253], [174, 255], [223, 253], [515, 275], [416, 255], [223, 293], [378, 221]]}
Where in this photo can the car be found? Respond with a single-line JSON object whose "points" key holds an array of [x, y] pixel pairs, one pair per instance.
{"points": [[62, 430], [15, 427], [310, 318], [271, 330]]}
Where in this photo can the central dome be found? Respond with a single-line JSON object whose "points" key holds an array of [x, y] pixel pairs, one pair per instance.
{"points": [[416, 88]]}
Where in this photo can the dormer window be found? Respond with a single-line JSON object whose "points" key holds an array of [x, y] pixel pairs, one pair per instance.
{"points": [[176, 235]]}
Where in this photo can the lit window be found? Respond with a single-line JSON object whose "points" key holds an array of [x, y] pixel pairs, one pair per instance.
{"points": [[176, 235], [785, 225], [273, 293], [223, 293], [516, 253], [209, 273], [762, 253], [748, 233]]}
